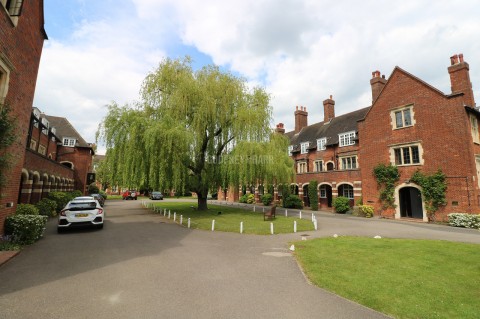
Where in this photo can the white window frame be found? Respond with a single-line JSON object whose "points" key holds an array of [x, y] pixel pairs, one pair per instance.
{"points": [[323, 191], [4, 80], [402, 111], [290, 149], [348, 162], [33, 144], [47, 124], [318, 164], [70, 142], [13, 4], [302, 167], [474, 128], [350, 191], [304, 147], [321, 144], [42, 149], [404, 152], [347, 138]]}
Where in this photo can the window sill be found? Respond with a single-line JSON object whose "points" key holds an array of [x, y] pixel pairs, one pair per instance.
{"points": [[401, 128]]}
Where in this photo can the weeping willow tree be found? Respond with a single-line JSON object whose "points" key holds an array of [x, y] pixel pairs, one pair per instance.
{"points": [[195, 131]]}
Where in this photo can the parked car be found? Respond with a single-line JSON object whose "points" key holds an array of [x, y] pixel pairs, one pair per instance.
{"points": [[129, 195], [82, 211], [100, 198], [156, 195]]}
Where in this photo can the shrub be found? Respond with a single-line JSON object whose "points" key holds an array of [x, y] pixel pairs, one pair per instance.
{"points": [[366, 210], [464, 220], [341, 204], [47, 207], [103, 194], [26, 209], [93, 189], [267, 199], [313, 194], [6, 244], [251, 199], [60, 198], [25, 229], [243, 199], [71, 195], [293, 201]]}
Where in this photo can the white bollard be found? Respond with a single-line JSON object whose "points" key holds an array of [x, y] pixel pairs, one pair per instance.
{"points": [[189, 223], [169, 214], [271, 228], [254, 209], [313, 217], [213, 225], [164, 212], [300, 214], [241, 227], [286, 213], [263, 210], [174, 216], [315, 224], [181, 219], [294, 226]]}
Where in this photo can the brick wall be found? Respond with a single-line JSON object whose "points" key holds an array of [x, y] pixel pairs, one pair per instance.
{"points": [[22, 46]]}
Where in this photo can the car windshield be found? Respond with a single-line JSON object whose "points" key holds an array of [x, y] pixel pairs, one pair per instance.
{"points": [[156, 193], [82, 206]]}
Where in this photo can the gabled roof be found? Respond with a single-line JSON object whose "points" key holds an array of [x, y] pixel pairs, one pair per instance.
{"points": [[340, 124], [65, 129]]}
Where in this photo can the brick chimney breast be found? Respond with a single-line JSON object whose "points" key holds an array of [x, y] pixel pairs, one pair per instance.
{"points": [[377, 83], [301, 118], [459, 72], [328, 109]]}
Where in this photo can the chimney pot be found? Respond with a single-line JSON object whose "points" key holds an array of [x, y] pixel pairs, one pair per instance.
{"points": [[330, 96], [461, 57], [297, 107]]}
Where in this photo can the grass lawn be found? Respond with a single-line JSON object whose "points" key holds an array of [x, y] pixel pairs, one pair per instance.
{"points": [[399, 277], [230, 218]]}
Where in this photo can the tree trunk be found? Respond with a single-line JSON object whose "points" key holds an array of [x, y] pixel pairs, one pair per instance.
{"points": [[202, 202]]}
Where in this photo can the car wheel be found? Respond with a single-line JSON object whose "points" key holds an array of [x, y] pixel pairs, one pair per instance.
{"points": [[135, 198]]}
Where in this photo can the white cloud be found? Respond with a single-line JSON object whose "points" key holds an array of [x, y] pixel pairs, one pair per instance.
{"points": [[302, 51]]}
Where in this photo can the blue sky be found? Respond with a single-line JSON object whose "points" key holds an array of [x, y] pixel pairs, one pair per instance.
{"points": [[301, 51]]}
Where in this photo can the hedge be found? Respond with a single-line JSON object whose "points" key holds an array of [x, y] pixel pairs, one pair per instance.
{"points": [[25, 229], [464, 220]]}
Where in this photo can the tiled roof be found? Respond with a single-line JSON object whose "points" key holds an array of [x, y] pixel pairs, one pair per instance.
{"points": [[65, 129], [340, 124]]}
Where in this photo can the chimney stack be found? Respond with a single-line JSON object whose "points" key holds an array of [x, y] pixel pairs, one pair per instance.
{"points": [[377, 84], [460, 79], [328, 109], [280, 129], [301, 118]]}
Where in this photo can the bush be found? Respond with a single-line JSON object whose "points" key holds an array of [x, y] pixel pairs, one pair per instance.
{"points": [[341, 204], [47, 207], [293, 201], [366, 210], [60, 198], [71, 195], [26, 209], [251, 199], [25, 229], [266, 199], [103, 194], [464, 220], [243, 199], [93, 189]]}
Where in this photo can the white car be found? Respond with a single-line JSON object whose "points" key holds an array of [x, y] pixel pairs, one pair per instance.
{"points": [[81, 212]]}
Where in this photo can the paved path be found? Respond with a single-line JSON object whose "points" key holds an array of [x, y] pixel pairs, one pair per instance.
{"points": [[140, 266]]}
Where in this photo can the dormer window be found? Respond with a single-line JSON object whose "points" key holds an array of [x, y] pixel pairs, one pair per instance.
{"points": [[304, 148], [45, 126], [347, 138], [70, 142], [321, 144]]}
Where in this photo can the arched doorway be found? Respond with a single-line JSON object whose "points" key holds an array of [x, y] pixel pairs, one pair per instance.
{"points": [[306, 199], [410, 200]]}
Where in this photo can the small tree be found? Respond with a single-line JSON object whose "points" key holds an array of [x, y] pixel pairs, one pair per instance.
{"points": [[313, 194], [341, 204]]}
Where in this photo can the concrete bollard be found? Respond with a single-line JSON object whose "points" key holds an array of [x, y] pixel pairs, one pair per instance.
{"points": [[300, 214], [271, 228], [241, 227], [313, 217], [315, 225], [294, 226], [286, 213], [189, 223], [174, 216], [213, 225], [169, 214], [181, 219], [254, 209]]}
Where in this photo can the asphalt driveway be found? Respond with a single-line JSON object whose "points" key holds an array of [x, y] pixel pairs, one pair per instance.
{"points": [[142, 266]]}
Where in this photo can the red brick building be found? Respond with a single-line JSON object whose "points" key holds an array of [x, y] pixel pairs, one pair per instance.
{"points": [[411, 125], [21, 41]]}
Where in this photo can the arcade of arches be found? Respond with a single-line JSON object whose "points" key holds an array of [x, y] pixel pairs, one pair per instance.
{"points": [[35, 186]]}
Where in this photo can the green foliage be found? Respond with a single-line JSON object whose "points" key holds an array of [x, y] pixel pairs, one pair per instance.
{"points": [[7, 137], [284, 189], [292, 201], [60, 198], [25, 229], [387, 176], [93, 189], [250, 199], [434, 188], [243, 199], [193, 130], [341, 204], [7, 245], [267, 199], [366, 210], [47, 207], [313, 194], [103, 194], [360, 201], [464, 220], [26, 209], [71, 195], [271, 189]]}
